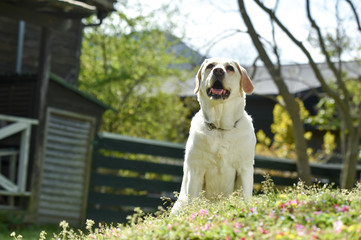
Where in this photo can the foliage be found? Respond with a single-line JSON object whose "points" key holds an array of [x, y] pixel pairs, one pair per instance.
{"points": [[161, 117], [328, 117], [329, 142], [299, 212], [283, 143], [10, 220], [125, 63]]}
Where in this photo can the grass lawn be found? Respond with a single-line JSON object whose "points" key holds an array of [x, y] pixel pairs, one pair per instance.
{"points": [[29, 232], [298, 212]]}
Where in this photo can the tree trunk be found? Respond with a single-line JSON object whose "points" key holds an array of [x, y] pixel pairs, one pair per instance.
{"points": [[348, 173], [303, 166], [292, 107]]}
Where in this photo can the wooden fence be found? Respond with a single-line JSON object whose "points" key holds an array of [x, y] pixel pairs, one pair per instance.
{"points": [[132, 172]]}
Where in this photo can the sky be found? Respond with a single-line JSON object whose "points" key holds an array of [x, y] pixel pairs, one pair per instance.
{"points": [[210, 26]]}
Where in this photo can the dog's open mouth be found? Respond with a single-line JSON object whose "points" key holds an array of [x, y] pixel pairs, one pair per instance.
{"points": [[217, 91]]}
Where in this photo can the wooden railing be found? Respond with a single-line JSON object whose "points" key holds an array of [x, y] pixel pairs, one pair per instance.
{"points": [[131, 172], [13, 179]]}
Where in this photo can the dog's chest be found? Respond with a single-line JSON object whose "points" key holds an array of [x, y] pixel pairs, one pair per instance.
{"points": [[222, 150]]}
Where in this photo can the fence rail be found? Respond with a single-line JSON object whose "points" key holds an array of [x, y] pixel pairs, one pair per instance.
{"points": [[126, 174], [13, 179]]}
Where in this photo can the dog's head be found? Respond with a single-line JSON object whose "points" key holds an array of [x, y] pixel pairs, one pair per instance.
{"points": [[221, 78]]}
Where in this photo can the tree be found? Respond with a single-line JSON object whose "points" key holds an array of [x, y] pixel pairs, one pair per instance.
{"points": [[328, 116], [290, 103], [125, 63], [349, 114]]}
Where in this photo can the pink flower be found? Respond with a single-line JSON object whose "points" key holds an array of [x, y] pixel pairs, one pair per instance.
{"points": [[193, 216], [170, 226], [343, 208], [238, 225], [206, 227], [253, 210], [203, 212], [317, 212], [301, 230], [263, 231], [293, 203], [338, 226], [282, 205]]}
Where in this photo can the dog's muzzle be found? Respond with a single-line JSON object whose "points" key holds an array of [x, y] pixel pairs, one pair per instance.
{"points": [[217, 91]]}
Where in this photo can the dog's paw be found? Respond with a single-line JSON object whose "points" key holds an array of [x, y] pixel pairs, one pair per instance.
{"points": [[178, 206]]}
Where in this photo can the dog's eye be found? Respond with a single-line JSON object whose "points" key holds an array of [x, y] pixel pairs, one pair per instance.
{"points": [[210, 66], [230, 68]]}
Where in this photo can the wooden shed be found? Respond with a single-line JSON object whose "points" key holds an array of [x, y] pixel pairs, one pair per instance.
{"points": [[47, 124]]}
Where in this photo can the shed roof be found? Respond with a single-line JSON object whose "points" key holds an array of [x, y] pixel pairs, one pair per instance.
{"points": [[85, 95], [53, 12], [62, 8]]}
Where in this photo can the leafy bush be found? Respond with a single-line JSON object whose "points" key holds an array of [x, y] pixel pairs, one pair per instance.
{"points": [[299, 212], [129, 63], [283, 145]]}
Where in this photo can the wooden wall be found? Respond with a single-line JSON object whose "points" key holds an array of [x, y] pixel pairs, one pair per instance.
{"points": [[17, 95], [65, 49]]}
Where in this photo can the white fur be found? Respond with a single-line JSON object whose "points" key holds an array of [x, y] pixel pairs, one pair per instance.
{"points": [[219, 161]]}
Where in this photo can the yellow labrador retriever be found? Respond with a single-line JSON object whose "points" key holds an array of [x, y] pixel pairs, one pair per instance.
{"points": [[219, 153]]}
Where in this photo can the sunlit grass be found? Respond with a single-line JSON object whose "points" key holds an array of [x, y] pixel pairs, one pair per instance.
{"points": [[299, 212]]}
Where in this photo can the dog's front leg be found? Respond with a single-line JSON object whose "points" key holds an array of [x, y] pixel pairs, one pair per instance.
{"points": [[192, 185], [244, 179]]}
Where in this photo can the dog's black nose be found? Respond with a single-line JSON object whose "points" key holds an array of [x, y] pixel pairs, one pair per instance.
{"points": [[219, 72]]}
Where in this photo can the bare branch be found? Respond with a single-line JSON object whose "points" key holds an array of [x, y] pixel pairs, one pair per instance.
{"points": [[312, 63], [330, 64], [357, 19], [275, 47], [258, 44], [254, 68], [221, 37]]}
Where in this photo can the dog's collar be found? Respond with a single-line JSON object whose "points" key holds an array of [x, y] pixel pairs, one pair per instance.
{"points": [[212, 126]]}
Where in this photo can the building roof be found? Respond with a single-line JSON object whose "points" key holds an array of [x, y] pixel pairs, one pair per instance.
{"points": [[298, 77], [53, 12]]}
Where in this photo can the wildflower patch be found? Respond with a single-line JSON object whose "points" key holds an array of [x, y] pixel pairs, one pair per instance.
{"points": [[298, 212]]}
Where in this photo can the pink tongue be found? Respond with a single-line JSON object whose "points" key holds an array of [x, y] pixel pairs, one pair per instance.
{"points": [[217, 91]]}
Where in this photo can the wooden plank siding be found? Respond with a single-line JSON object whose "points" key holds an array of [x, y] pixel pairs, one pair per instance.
{"points": [[66, 47], [17, 95], [65, 169], [114, 154]]}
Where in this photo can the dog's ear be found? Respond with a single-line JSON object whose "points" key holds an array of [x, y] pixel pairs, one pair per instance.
{"points": [[245, 81], [199, 78]]}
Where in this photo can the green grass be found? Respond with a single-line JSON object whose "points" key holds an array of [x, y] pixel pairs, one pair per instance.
{"points": [[29, 232], [299, 212]]}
